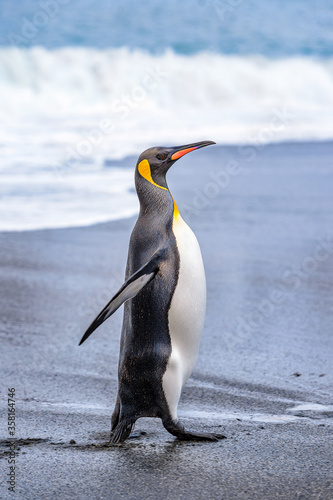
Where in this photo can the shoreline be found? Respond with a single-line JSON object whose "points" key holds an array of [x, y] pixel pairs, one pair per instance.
{"points": [[263, 375], [242, 156]]}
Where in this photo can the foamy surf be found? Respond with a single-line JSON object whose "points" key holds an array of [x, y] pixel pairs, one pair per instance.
{"points": [[166, 96], [42, 200], [65, 111]]}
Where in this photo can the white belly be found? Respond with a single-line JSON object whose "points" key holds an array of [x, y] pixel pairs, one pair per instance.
{"points": [[186, 314]]}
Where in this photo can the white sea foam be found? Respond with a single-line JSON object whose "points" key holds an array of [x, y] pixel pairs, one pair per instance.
{"points": [[75, 107], [170, 95], [313, 407], [40, 201]]}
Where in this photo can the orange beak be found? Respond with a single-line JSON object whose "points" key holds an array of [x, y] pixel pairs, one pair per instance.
{"points": [[183, 150]]}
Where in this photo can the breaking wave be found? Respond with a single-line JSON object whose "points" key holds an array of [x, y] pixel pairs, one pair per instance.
{"points": [[89, 106]]}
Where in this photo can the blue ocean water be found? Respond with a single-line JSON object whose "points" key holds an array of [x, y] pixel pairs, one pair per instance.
{"points": [[83, 84], [275, 28]]}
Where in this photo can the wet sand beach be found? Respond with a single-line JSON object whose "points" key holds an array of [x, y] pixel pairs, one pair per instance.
{"points": [[264, 220]]}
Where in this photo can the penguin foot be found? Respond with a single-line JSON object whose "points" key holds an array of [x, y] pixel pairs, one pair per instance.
{"points": [[137, 434], [200, 436], [121, 432], [177, 429]]}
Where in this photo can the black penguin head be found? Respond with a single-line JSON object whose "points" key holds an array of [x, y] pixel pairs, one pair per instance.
{"points": [[154, 163]]}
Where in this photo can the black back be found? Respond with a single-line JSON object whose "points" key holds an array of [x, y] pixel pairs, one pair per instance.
{"points": [[145, 340]]}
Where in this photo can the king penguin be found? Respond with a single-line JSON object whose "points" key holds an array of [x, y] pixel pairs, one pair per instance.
{"points": [[164, 298]]}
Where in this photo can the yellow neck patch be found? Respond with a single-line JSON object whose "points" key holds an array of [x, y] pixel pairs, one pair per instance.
{"points": [[145, 172], [176, 213]]}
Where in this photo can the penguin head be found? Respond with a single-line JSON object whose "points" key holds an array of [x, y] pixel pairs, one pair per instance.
{"points": [[154, 163]]}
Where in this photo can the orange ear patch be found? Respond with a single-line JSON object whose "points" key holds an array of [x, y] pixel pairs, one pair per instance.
{"points": [[144, 170]]}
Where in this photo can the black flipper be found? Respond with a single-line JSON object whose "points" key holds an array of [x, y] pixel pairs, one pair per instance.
{"points": [[129, 289]]}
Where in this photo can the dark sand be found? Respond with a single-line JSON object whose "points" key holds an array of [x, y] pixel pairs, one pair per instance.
{"points": [[264, 373]]}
